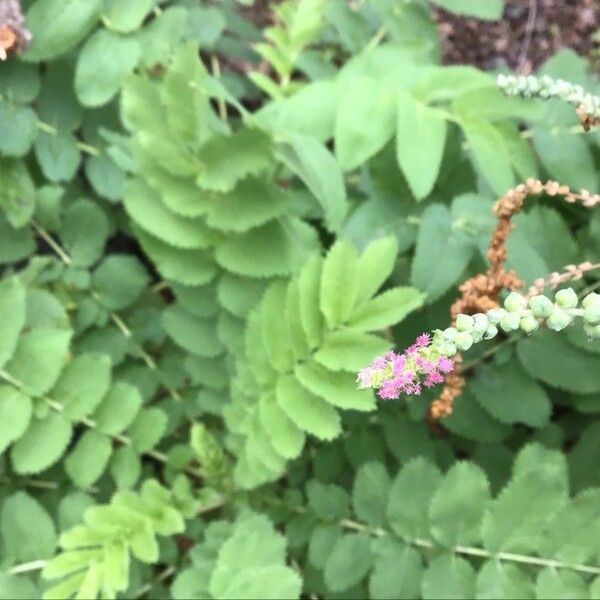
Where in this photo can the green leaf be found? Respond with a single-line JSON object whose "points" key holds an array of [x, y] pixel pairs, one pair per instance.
{"points": [[118, 408], [397, 574], [56, 27], [105, 177], [128, 17], [420, 141], [497, 580], [286, 437], [365, 122], [370, 493], [276, 581], [318, 169], [89, 459], [275, 330], [15, 244], [339, 283], [442, 254], [12, 302], [490, 10], [328, 501], [125, 467], [322, 540], [84, 230], [103, 63], [337, 388], [277, 248], [43, 444], [195, 335], [514, 522], [39, 358], [119, 280], [57, 155], [188, 267], [350, 350], [17, 587], [251, 203], [28, 532], [226, 160], [448, 576], [309, 412], [410, 495], [510, 395], [160, 37], [489, 153], [309, 283], [15, 415], [349, 561], [82, 385], [545, 357], [147, 429], [388, 308], [552, 584], [19, 81], [17, 192], [19, 129], [456, 508], [375, 265]]}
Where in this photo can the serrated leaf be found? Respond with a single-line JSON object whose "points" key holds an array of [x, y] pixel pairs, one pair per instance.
{"points": [[309, 412], [457, 506], [19, 129], [57, 155], [28, 532], [188, 267], [409, 498], [12, 302], [147, 429], [309, 284], [370, 493], [337, 388], [285, 436], [545, 357], [420, 141], [118, 408], [251, 203], [350, 350], [275, 330], [55, 29], [39, 358], [320, 172], [126, 17], [322, 540], [442, 253], [349, 561], [511, 396], [375, 265], [42, 445], [88, 460], [551, 584], [490, 9], [17, 192], [448, 576], [339, 283], [196, 335], [15, 415], [119, 280], [503, 581], [397, 574], [226, 160], [329, 502], [388, 308], [276, 581]]}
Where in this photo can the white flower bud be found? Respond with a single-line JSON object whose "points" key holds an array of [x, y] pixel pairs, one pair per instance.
{"points": [[529, 324], [541, 307], [566, 298], [510, 322], [559, 319], [464, 341], [515, 302], [590, 300], [464, 322]]}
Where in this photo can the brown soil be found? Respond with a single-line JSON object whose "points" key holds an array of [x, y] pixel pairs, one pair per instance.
{"points": [[530, 32]]}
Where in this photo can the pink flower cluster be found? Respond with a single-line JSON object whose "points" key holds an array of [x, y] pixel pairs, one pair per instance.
{"points": [[394, 374]]}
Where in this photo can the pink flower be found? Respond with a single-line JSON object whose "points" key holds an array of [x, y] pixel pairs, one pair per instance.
{"points": [[445, 365]]}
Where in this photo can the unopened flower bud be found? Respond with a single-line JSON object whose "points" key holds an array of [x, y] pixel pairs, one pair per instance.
{"points": [[495, 314], [510, 322], [541, 307], [450, 333], [490, 332], [591, 314], [592, 331], [559, 319], [529, 324], [446, 348], [480, 323], [464, 322], [566, 298], [592, 299], [515, 302], [464, 341]]}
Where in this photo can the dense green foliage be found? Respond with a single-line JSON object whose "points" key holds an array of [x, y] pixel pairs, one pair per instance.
{"points": [[206, 230]]}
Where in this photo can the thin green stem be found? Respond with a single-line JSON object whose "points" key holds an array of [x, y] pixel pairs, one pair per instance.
{"points": [[87, 148], [478, 552], [34, 565], [168, 572]]}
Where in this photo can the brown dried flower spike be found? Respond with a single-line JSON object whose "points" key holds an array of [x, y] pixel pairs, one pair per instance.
{"points": [[14, 35], [8, 41]]}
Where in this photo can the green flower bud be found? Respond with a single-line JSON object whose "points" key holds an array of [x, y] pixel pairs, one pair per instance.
{"points": [[559, 319], [592, 299], [566, 298], [464, 322], [480, 323], [592, 331], [515, 302], [541, 307], [464, 341], [450, 334], [494, 315], [446, 348], [529, 324], [510, 322], [591, 314], [490, 332]]}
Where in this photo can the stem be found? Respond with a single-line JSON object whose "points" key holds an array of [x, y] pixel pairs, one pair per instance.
{"points": [[87, 148], [35, 565], [376, 39], [478, 552], [58, 249], [146, 588]]}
